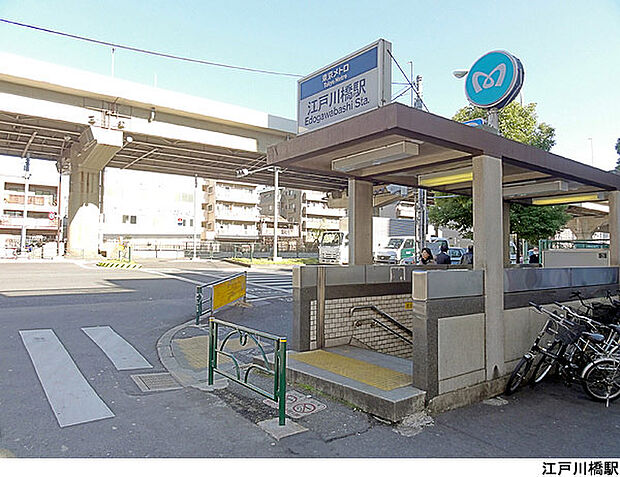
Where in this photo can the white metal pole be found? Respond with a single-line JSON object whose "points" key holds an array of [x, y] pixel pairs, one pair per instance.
{"points": [[276, 171], [195, 221], [22, 245]]}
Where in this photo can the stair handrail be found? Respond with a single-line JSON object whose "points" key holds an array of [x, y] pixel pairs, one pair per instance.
{"points": [[393, 320]]}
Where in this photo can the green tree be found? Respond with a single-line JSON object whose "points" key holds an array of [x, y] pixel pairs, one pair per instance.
{"points": [[531, 223], [618, 152]]}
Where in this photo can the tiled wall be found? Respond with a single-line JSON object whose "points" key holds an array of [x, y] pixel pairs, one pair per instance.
{"points": [[340, 325]]}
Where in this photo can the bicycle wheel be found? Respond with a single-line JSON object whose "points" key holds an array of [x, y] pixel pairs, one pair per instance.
{"points": [[602, 380], [517, 377], [545, 363]]}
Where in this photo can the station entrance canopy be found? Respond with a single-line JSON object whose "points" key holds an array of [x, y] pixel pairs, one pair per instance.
{"points": [[49, 111], [397, 144]]}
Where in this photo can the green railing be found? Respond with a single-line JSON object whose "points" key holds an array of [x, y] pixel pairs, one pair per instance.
{"points": [[572, 244], [242, 371]]}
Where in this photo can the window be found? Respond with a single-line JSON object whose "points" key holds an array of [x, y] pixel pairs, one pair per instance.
{"points": [[132, 219], [408, 243], [125, 219]]}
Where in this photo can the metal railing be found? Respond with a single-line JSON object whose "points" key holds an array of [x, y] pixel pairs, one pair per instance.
{"points": [[204, 295], [278, 370], [392, 320]]}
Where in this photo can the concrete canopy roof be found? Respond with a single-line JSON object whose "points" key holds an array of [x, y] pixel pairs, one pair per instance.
{"points": [[443, 147]]}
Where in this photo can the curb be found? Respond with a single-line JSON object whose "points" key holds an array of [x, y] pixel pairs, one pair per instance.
{"points": [[227, 260], [167, 359], [119, 265]]}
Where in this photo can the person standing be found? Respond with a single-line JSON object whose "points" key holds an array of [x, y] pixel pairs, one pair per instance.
{"points": [[468, 257], [426, 256], [443, 258], [534, 258]]}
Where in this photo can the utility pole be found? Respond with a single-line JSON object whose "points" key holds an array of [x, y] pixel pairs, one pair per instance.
{"points": [[276, 172], [195, 221], [22, 245]]}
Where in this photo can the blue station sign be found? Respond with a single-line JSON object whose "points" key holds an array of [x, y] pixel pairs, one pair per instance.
{"points": [[350, 86], [494, 80]]}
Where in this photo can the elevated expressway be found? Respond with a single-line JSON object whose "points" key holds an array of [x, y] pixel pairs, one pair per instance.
{"points": [[86, 122]]}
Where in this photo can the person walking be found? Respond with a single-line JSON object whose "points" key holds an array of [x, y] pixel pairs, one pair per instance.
{"points": [[468, 257], [443, 258]]}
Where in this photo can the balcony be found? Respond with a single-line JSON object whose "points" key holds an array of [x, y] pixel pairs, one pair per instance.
{"points": [[239, 232], [323, 224], [324, 211], [35, 202], [266, 231], [7, 221], [241, 196], [237, 213]]}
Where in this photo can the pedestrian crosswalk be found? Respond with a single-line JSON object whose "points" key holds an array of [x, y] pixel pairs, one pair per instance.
{"points": [[71, 397], [277, 282]]}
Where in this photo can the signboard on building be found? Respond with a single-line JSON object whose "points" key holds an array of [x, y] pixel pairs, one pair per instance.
{"points": [[350, 86], [494, 80]]}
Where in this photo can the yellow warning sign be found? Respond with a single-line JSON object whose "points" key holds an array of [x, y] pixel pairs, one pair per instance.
{"points": [[228, 291], [408, 305]]}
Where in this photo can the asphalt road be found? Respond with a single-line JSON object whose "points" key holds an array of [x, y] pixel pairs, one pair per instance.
{"points": [[140, 306]]}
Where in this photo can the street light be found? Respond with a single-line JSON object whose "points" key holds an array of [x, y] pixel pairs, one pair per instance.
{"points": [[460, 73], [276, 172]]}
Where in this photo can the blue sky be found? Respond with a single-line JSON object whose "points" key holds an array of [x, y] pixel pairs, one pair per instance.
{"points": [[570, 50]]}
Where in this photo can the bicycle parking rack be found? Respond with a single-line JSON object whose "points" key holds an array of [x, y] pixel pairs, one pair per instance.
{"points": [[215, 295], [279, 363]]}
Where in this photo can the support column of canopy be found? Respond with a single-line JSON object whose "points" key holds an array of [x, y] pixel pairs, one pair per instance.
{"points": [[506, 232], [614, 228], [360, 222], [488, 211], [88, 156]]}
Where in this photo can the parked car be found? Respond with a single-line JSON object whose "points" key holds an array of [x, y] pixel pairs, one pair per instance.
{"points": [[456, 253]]}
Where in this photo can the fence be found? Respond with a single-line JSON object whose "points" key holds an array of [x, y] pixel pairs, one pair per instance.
{"points": [[278, 371]]}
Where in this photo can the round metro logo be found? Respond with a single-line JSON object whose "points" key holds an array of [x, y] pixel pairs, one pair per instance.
{"points": [[494, 80]]}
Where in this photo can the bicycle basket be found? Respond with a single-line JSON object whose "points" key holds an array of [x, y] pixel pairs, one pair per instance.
{"points": [[570, 335], [603, 313]]}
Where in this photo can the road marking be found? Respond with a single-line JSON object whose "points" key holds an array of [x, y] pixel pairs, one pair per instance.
{"points": [[72, 399], [121, 353], [155, 272]]}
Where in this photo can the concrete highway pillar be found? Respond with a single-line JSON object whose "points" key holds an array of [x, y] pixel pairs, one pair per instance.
{"points": [[584, 227], [488, 214], [88, 156], [360, 222], [614, 228]]}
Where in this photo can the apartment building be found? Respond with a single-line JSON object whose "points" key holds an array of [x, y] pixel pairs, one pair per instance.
{"points": [[308, 208], [148, 209], [230, 211], [42, 211], [289, 237]]}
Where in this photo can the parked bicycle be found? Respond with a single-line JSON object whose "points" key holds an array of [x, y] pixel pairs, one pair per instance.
{"points": [[582, 349]]}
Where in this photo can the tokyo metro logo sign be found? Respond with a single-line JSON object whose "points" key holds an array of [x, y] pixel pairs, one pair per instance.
{"points": [[494, 80]]}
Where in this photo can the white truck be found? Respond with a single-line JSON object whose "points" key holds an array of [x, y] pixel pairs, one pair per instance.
{"points": [[388, 240]]}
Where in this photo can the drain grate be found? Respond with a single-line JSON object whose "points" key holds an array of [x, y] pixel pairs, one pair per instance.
{"points": [[155, 382]]}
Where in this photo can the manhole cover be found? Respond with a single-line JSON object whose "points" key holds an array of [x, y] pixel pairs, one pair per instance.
{"points": [[298, 405], [155, 382]]}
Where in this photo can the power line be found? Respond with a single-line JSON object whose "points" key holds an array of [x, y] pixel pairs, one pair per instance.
{"points": [[148, 52], [193, 60]]}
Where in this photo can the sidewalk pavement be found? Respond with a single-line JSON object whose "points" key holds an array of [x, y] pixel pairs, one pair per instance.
{"points": [[547, 421]]}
